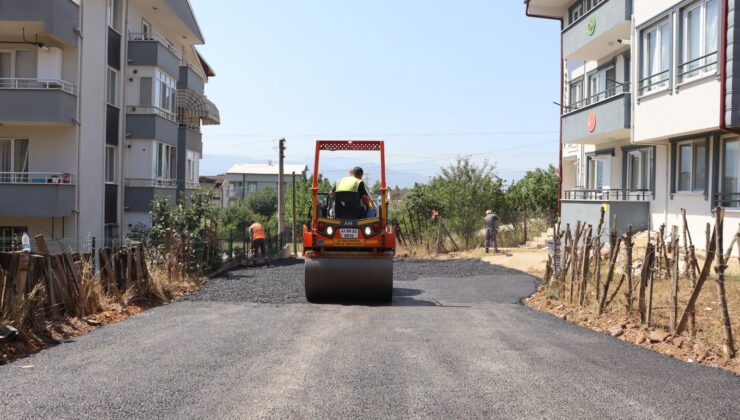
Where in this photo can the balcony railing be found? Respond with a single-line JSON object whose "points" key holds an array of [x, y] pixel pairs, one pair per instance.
{"points": [[150, 183], [697, 66], [607, 194], [190, 185], [35, 178], [37, 84], [727, 199], [599, 97], [654, 82], [149, 110], [154, 37], [188, 125]]}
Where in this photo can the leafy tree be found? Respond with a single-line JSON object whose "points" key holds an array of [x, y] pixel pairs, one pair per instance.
{"points": [[303, 199], [537, 190], [263, 202]]}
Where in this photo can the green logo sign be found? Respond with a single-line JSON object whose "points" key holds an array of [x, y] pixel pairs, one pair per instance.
{"points": [[591, 28]]}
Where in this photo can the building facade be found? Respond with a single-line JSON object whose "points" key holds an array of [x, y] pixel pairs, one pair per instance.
{"points": [[101, 104], [243, 179], [649, 118]]}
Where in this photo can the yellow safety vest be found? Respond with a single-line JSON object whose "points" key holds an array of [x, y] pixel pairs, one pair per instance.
{"points": [[348, 184]]}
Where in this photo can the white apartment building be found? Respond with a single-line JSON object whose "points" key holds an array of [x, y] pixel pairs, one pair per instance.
{"points": [[649, 119], [245, 178], [101, 104]]}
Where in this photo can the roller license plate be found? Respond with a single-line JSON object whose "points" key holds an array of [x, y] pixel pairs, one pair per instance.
{"points": [[349, 233]]}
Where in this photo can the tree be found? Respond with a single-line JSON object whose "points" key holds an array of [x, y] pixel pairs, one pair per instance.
{"points": [[263, 202], [303, 199], [538, 191]]}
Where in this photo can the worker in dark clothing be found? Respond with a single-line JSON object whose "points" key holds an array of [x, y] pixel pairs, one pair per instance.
{"points": [[354, 183], [491, 222], [258, 238]]}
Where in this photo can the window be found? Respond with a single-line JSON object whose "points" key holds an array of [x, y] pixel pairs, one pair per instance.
{"points": [[251, 187], [166, 162], [699, 43], [691, 166], [17, 64], [13, 160], [602, 84], [112, 87], [656, 47], [146, 28], [110, 164], [731, 172], [599, 175], [576, 12], [638, 172], [164, 92], [113, 14], [576, 95]]}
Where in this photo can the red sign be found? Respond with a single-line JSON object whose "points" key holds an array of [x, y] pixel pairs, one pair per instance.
{"points": [[591, 122]]}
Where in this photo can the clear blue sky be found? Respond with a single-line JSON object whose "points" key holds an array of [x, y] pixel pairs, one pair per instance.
{"points": [[434, 78]]}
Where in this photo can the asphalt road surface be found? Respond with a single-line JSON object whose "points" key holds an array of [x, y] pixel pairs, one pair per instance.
{"points": [[455, 343]]}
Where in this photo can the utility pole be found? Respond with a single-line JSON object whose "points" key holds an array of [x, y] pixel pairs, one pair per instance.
{"points": [[281, 194], [295, 242]]}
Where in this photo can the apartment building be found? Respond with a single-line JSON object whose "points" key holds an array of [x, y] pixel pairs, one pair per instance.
{"points": [[101, 104], [648, 115]]}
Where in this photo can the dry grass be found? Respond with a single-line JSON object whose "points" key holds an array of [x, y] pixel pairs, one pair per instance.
{"points": [[30, 313]]}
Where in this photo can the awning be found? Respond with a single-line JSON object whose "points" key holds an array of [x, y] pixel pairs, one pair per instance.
{"points": [[196, 108]]}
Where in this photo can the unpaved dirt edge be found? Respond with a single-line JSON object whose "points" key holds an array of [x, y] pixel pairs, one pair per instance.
{"points": [[683, 348]]}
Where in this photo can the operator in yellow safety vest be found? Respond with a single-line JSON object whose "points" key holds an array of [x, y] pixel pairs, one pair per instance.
{"points": [[354, 183]]}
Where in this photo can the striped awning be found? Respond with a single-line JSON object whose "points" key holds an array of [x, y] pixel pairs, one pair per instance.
{"points": [[196, 108]]}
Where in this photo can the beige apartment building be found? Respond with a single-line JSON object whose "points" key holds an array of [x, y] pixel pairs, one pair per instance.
{"points": [[650, 119]]}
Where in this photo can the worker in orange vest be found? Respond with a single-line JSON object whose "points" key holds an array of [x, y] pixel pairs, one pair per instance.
{"points": [[258, 238]]}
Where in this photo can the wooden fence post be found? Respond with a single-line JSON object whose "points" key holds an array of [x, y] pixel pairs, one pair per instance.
{"points": [[585, 266], [729, 347], [614, 255], [674, 279], [647, 265], [699, 284], [628, 244]]}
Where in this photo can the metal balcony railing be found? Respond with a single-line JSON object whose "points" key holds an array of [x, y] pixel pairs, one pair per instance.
{"points": [[150, 183], [597, 98], [607, 194], [155, 37], [191, 185], [36, 178], [654, 82], [723, 199], [697, 66], [37, 84], [149, 110]]}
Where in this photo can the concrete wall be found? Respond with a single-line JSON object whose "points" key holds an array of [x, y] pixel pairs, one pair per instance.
{"points": [[42, 200], [150, 126], [93, 106], [139, 199], [59, 17], [612, 18], [153, 54], [612, 117], [30, 106]]}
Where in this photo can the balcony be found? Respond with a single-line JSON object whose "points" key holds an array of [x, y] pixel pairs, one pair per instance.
{"points": [[630, 207], [144, 122], [191, 79], [594, 35], [36, 194], [37, 101], [609, 194], [140, 192], [155, 51], [57, 19], [600, 118]]}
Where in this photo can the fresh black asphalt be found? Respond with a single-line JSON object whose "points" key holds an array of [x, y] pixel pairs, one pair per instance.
{"points": [[455, 343]]}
